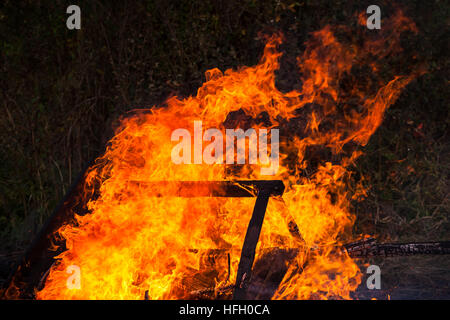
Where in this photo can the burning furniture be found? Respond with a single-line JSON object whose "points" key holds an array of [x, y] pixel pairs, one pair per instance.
{"points": [[31, 273]]}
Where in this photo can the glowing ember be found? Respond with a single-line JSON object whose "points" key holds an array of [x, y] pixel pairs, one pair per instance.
{"points": [[133, 242]]}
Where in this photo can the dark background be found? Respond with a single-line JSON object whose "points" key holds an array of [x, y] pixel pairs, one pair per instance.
{"points": [[62, 92]]}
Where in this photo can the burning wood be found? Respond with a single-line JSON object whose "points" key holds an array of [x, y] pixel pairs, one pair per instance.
{"points": [[194, 189], [370, 248]]}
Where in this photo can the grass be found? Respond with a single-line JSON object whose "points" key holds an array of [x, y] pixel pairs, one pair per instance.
{"points": [[62, 92], [408, 168]]}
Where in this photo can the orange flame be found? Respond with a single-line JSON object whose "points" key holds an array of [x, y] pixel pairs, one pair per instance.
{"points": [[132, 242]]}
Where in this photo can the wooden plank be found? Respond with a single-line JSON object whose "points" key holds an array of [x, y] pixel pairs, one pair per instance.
{"points": [[249, 247], [190, 189]]}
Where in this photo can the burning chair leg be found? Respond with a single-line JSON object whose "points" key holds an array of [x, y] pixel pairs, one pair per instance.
{"points": [[251, 240]]}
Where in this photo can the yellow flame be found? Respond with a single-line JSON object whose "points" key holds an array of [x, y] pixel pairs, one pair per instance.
{"points": [[132, 242]]}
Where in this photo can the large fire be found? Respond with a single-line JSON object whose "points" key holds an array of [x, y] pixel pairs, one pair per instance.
{"points": [[133, 244]]}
